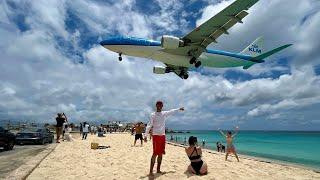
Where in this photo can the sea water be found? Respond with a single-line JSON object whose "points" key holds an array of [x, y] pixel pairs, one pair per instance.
{"points": [[302, 148]]}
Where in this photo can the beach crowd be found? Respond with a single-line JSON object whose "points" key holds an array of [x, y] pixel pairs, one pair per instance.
{"points": [[154, 130]]}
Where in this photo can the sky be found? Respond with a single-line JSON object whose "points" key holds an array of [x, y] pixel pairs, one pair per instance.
{"points": [[51, 61]]}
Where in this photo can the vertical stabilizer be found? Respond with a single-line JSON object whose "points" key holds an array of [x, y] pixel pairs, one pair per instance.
{"points": [[255, 48]]}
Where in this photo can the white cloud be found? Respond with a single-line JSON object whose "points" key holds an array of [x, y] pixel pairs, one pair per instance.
{"points": [[212, 10], [102, 18], [49, 15], [167, 19]]}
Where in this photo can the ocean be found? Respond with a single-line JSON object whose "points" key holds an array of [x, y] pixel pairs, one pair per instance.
{"points": [[297, 147]]}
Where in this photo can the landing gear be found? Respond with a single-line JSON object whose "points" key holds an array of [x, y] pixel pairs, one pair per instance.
{"points": [[184, 75], [197, 64], [120, 58], [194, 61]]}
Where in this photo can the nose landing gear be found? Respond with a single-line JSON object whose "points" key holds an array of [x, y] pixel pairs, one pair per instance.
{"points": [[120, 58]]}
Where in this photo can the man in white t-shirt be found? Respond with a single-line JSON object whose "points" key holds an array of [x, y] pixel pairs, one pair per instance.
{"points": [[157, 123], [85, 130]]}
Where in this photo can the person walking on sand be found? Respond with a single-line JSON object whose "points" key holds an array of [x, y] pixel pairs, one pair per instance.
{"points": [[85, 130], [61, 118], [157, 123], [139, 127], [194, 153], [230, 147]]}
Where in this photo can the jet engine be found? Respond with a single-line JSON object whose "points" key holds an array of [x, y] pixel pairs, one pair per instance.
{"points": [[171, 42], [159, 70]]}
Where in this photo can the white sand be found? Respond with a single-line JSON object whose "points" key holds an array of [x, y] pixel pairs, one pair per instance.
{"points": [[75, 160]]}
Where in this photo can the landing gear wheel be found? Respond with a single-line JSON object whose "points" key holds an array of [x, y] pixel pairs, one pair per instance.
{"points": [[185, 76], [120, 58], [197, 64], [192, 60]]}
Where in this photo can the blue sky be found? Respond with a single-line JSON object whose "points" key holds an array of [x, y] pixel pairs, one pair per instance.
{"points": [[52, 62]]}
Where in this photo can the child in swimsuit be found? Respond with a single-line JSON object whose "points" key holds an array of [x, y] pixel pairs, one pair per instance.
{"points": [[194, 153], [230, 146]]}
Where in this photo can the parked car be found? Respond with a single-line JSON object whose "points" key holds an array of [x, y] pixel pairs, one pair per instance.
{"points": [[34, 136], [7, 139]]}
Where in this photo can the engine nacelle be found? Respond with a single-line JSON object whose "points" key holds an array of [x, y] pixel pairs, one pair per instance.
{"points": [[159, 70], [171, 42]]}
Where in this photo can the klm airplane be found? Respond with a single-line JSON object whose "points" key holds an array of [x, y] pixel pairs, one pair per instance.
{"points": [[180, 54]]}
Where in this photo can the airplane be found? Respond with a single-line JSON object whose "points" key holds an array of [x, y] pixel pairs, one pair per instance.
{"points": [[181, 54]]}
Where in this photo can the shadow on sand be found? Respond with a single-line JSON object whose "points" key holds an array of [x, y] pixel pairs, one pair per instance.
{"points": [[189, 174], [155, 176]]}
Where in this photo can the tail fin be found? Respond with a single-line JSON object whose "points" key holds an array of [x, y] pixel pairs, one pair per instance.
{"points": [[255, 48]]}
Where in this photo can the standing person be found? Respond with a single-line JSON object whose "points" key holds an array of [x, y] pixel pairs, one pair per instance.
{"points": [[85, 130], [194, 153], [81, 129], [91, 130], [222, 148], [64, 126], [230, 147], [67, 135], [218, 146], [157, 123], [139, 127], [171, 137], [61, 118]]}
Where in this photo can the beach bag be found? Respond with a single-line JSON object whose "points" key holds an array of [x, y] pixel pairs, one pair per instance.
{"points": [[94, 145]]}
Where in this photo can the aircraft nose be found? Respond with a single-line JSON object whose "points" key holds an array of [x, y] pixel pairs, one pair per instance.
{"points": [[105, 42], [111, 43]]}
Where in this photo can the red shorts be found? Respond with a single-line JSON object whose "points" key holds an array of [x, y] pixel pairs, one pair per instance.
{"points": [[159, 143]]}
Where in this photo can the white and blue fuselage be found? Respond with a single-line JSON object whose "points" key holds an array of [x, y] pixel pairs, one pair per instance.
{"points": [[151, 49]]}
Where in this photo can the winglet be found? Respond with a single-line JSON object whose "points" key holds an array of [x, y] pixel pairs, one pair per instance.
{"points": [[260, 58]]}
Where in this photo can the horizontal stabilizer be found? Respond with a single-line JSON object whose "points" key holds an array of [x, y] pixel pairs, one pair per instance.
{"points": [[260, 58], [248, 66]]}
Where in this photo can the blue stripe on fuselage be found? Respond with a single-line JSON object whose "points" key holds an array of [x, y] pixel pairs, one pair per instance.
{"points": [[224, 53], [120, 40], [123, 40]]}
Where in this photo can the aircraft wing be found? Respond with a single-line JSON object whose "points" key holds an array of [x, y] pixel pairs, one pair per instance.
{"points": [[199, 38]]}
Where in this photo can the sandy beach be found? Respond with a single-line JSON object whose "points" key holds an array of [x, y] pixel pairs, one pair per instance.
{"points": [[75, 160]]}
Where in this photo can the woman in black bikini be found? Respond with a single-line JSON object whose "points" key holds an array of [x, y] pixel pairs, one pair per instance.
{"points": [[194, 153]]}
